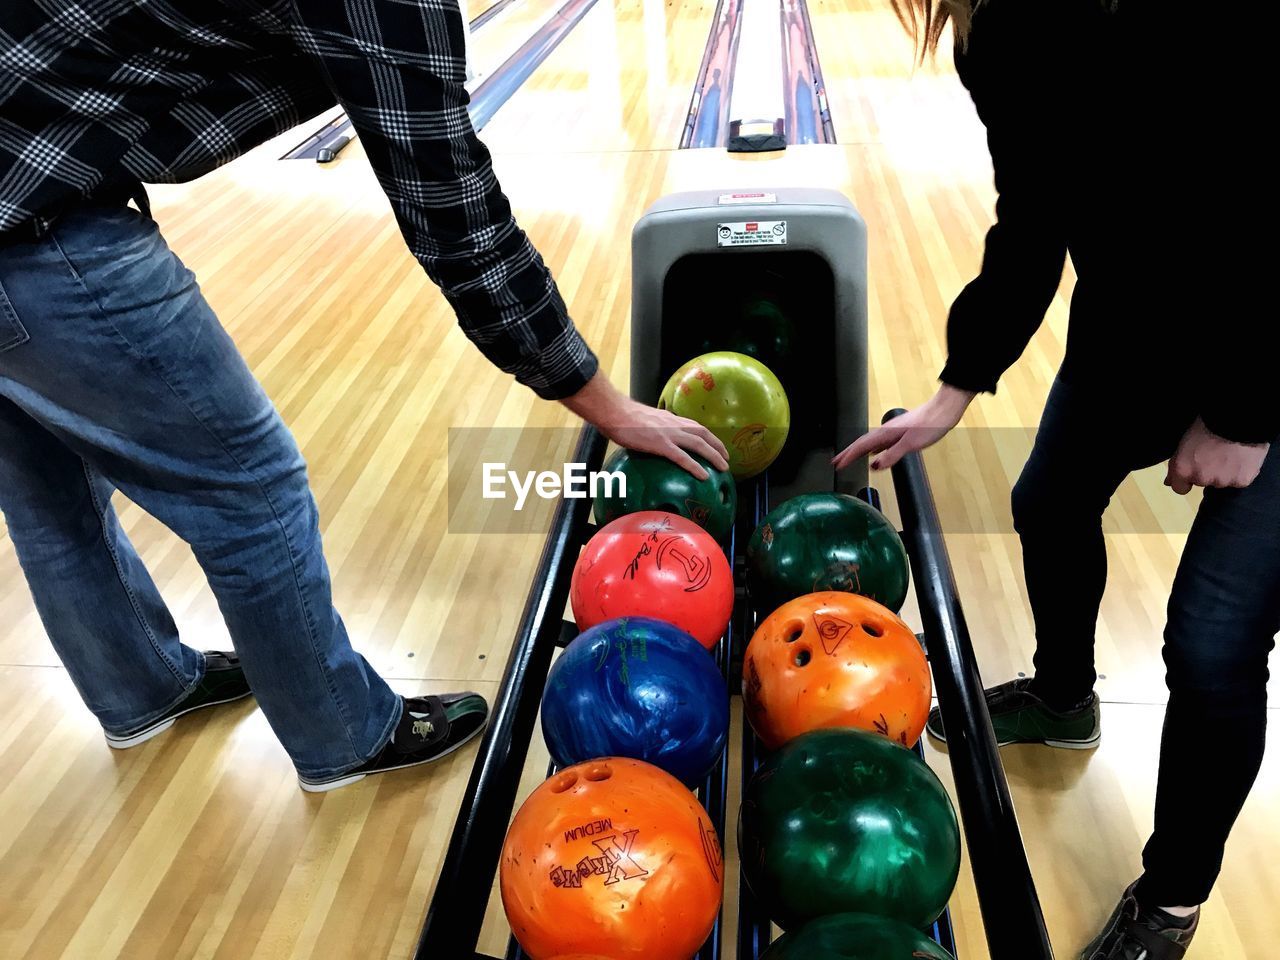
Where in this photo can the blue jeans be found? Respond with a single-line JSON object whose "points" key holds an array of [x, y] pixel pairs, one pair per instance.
{"points": [[1223, 615], [116, 375]]}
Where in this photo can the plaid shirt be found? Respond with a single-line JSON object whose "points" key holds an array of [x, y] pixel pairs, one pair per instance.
{"points": [[98, 91]]}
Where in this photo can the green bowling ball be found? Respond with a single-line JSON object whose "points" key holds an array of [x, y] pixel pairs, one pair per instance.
{"points": [[856, 936], [655, 483], [845, 821], [826, 541], [759, 328]]}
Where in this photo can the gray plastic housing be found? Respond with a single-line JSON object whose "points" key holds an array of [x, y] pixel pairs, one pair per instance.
{"points": [[818, 221]]}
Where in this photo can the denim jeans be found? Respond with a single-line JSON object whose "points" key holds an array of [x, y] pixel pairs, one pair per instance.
{"points": [[1223, 615], [116, 375]]}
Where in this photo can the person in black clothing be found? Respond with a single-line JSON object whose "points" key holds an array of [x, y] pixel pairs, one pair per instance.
{"points": [[1078, 147]]}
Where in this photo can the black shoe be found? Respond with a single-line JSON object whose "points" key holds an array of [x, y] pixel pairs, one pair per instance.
{"points": [[1019, 716], [430, 728], [1135, 933], [223, 682]]}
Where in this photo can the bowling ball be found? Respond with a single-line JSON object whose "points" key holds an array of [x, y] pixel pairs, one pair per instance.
{"points": [[655, 483], [855, 936], [639, 688], [612, 858], [739, 400], [755, 325], [835, 660], [654, 564], [845, 821], [826, 541]]}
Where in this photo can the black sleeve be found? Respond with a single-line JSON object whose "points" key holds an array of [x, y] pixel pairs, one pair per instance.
{"points": [[1225, 278], [997, 312], [1237, 381]]}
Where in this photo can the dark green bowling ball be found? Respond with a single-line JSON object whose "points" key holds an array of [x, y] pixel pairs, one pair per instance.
{"points": [[758, 327], [845, 821], [826, 541], [655, 483], [855, 936]]}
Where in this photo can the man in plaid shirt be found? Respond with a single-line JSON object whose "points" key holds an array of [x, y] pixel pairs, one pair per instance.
{"points": [[115, 374]]}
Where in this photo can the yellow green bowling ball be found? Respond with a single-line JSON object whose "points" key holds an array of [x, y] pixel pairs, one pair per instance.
{"points": [[738, 399], [856, 936], [846, 821]]}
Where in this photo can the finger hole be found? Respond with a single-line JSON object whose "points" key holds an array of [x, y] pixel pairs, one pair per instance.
{"points": [[564, 781]]}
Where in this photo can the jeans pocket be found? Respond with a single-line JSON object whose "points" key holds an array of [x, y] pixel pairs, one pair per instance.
{"points": [[12, 332]]}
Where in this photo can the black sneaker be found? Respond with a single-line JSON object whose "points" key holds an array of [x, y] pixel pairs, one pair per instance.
{"points": [[1135, 933], [1019, 716], [430, 728], [223, 682]]}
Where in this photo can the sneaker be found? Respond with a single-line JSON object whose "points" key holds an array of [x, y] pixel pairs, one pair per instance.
{"points": [[1135, 933], [223, 682], [430, 729], [1019, 716]]}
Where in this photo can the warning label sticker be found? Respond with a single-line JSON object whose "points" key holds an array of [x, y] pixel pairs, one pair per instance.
{"points": [[752, 233], [729, 198]]}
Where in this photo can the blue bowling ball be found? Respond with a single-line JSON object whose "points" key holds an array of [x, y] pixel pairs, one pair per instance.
{"points": [[639, 688]]}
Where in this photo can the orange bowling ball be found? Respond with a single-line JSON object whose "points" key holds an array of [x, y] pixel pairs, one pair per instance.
{"points": [[654, 564], [612, 859], [835, 659]]}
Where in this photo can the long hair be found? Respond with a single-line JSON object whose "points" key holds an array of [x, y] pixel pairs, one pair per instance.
{"points": [[927, 19]]}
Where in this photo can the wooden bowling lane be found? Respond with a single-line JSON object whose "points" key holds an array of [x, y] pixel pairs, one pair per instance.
{"points": [[620, 81], [875, 90], [491, 43], [199, 843], [1084, 818]]}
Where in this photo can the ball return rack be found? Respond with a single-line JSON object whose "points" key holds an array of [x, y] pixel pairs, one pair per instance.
{"points": [[673, 245]]}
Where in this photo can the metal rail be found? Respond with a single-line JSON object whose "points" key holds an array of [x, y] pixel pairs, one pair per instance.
{"points": [[456, 913], [1011, 910], [497, 88]]}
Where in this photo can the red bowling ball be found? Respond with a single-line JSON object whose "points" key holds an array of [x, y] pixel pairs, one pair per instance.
{"points": [[654, 564]]}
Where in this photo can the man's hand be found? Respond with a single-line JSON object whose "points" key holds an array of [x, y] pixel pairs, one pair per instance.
{"points": [[635, 426], [1205, 459], [914, 430]]}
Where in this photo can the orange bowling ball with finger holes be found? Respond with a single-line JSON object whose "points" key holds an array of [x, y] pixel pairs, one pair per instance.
{"points": [[612, 859], [835, 659]]}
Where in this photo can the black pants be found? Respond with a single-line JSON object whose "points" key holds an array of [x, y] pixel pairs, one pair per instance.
{"points": [[1223, 616]]}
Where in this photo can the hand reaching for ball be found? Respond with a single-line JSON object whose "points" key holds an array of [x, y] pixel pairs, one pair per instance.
{"points": [[636, 426], [914, 430]]}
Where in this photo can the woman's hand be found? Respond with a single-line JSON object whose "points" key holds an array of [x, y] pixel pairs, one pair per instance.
{"points": [[1205, 459], [633, 425], [914, 430]]}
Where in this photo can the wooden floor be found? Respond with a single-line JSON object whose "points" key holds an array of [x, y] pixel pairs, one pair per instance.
{"points": [[200, 844]]}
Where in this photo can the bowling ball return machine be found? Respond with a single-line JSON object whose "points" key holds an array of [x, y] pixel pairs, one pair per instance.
{"points": [[699, 260]]}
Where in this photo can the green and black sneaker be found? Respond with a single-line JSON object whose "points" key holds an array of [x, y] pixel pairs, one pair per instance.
{"points": [[1135, 932], [1019, 716], [223, 682], [430, 729]]}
